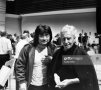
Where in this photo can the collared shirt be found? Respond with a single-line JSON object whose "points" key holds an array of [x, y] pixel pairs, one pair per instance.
{"points": [[5, 45], [19, 46]]}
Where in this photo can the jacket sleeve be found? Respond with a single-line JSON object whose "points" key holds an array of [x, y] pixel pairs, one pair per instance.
{"points": [[87, 73], [21, 66]]}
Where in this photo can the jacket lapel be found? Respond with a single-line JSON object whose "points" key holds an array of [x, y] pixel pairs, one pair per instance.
{"points": [[31, 61], [50, 51]]}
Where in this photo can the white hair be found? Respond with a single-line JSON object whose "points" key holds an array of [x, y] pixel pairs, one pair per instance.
{"points": [[69, 29]]}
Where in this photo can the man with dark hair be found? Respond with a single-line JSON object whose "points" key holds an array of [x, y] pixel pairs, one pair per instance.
{"points": [[32, 68], [25, 31]]}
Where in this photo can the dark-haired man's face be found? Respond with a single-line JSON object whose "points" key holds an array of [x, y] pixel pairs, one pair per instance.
{"points": [[44, 39]]}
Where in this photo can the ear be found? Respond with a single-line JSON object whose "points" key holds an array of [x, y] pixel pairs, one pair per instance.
{"points": [[75, 39], [74, 36], [61, 41]]}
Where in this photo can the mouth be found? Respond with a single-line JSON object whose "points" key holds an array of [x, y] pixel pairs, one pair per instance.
{"points": [[67, 45], [44, 42]]}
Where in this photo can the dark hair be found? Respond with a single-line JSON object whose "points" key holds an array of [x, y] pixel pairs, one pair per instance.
{"points": [[40, 30], [3, 33], [25, 31], [0, 33]]}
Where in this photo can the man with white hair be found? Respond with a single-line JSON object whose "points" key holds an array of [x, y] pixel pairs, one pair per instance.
{"points": [[72, 67], [68, 36]]}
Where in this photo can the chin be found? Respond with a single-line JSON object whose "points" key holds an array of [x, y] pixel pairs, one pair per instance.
{"points": [[68, 47], [44, 43]]}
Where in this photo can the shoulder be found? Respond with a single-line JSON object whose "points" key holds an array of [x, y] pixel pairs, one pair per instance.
{"points": [[52, 47], [25, 50], [27, 47], [57, 50], [80, 51], [6, 39]]}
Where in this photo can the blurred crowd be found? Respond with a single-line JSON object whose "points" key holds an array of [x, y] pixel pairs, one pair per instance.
{"points": [[90, 43], [85, 41], [11, 45], [16, 39]]}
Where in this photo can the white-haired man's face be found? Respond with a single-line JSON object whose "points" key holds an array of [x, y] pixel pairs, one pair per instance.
{"points": [[67, 40]]}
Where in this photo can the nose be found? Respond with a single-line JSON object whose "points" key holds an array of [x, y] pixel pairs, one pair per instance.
{"points": [[66, 41], [44, 37]]}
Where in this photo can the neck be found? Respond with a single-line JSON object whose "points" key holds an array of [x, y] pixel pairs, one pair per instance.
{"points": [[65, 49], [41, 47]]}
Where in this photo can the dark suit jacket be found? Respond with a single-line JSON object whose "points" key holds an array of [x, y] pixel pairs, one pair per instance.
{"points": [[85, 72]]}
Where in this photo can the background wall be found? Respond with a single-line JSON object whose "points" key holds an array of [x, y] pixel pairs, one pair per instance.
{"points": [[13, 24], [2, 14], [85, 22], [82, 21]]}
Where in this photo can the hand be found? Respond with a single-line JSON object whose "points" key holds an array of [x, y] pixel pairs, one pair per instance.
{"points": [[59, 85], [57, 81], [22, 89], [67, 82], [71, 81], [63, 83], [10, 63], [46, 59], [23, 86]]}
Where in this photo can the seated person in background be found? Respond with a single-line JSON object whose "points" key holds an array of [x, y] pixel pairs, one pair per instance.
{"points": [[90, 50], [79, 75], [95, 47]]}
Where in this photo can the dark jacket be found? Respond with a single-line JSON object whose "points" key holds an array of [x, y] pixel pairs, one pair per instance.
{"points": [[24, 64], [85, 72]]}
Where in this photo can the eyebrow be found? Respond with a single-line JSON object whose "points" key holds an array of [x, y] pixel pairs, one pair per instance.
{"points": [[66, 38]]}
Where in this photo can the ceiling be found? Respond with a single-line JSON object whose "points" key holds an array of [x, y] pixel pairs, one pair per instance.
{"points": [[33, 6]]}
